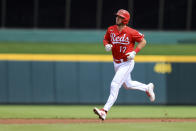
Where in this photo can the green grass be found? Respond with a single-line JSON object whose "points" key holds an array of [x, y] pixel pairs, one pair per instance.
{"points": [[52, 48], [75, 111], [103, 127], [169, 49], [49, 111], [75, 48]]}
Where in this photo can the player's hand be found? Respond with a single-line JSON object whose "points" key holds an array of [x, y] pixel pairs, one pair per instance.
{"points": [[131, 55], [108, 47]]}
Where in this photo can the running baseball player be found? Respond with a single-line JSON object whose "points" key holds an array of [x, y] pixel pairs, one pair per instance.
{"points": [[120, 39]]}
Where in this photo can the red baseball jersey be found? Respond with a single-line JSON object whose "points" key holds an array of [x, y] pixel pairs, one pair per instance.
{"points": [[122, 42]]}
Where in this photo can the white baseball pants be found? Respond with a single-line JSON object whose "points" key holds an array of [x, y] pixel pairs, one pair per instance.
{"points": [[122, 77]]}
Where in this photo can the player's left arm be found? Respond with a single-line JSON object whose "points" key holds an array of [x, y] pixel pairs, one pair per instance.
{"points": [[139, 38], [140, 45]]}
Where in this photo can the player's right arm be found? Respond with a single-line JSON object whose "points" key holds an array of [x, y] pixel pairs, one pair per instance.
{"points": [[106, 42]]}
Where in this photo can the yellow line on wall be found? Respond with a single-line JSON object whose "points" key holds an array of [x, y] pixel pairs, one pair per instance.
{"points": [[92, 58], [159, 58], [55, 57]]}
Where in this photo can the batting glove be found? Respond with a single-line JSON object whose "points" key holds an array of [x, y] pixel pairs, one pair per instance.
{"points": [[131, 55], [108, 47]]}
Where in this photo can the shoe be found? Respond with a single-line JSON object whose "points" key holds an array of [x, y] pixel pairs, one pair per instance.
{"points": [[150, 92], [101, 113]]}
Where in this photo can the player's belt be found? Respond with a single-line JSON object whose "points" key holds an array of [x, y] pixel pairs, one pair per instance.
{"points": [[120, 60]]}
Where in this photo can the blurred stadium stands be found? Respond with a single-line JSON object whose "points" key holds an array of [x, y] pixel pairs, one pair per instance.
{"points": [[97, 14]]}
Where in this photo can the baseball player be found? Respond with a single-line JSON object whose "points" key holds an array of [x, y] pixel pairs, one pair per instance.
{"points": [[120, 39]]}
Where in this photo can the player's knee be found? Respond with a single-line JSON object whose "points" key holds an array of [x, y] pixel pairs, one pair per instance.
{"points": [[127, 86]]}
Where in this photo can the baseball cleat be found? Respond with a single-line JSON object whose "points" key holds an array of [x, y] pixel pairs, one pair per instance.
{"points": [[150, 92], [101, 113]]}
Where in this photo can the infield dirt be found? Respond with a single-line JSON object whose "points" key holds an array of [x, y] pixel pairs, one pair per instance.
{"points": [[69, 121]]}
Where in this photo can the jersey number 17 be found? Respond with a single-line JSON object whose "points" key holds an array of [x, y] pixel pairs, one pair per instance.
{"points": [[123, 49]]}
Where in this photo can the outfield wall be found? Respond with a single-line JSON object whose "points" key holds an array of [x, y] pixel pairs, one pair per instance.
{"points": [[71, 82], [34, 81], [89, 36]]}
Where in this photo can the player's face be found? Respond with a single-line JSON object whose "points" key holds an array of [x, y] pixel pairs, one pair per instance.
{"points": [[119, 20]]}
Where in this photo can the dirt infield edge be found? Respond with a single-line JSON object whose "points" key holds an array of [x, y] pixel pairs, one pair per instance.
{"points": [[69, 121]]}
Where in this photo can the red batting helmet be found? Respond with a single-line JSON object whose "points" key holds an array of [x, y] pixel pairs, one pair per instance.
{"points": [[124, 14]]}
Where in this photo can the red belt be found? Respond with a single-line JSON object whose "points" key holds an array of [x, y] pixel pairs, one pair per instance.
{"points": [[120, 60]]}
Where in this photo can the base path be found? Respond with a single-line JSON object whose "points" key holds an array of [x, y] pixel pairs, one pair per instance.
{"points": [[69, 121]]}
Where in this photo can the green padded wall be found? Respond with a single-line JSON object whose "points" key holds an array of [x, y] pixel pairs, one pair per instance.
{"points": [[34, 82]]}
